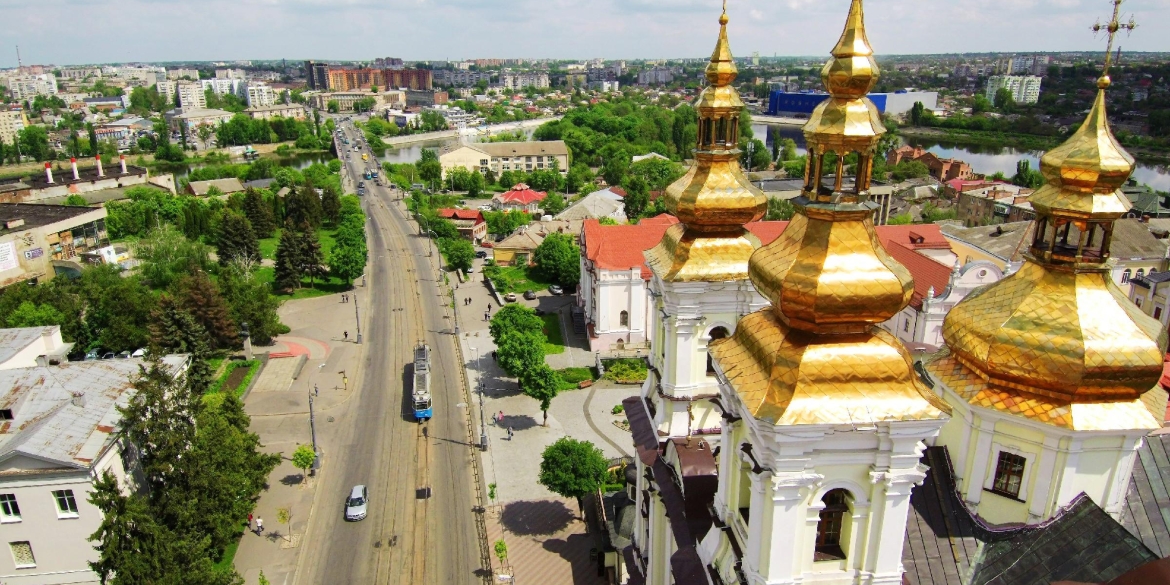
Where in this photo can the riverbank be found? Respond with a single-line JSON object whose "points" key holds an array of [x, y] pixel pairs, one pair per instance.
{"points": [[953, 137]]}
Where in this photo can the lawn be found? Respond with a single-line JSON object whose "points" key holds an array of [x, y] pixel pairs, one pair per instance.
{"points": [[555, 342], [229, 556], [516, 279], [268, 245], [236, 377], [328, 286], [571, 377]]}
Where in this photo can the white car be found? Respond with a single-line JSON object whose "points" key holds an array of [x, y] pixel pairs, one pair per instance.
{"points": [[357, 503]]}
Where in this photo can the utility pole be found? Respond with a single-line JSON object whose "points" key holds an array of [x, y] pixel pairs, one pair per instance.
{"points": [[482, 428], [356, 318], [313, 430]]}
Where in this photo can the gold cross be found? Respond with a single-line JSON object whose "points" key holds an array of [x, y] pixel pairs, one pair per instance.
{"points": [[1111, 28]]}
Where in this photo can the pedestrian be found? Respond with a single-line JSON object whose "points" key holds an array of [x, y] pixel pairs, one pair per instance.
{"points": [[259, 526], [493, 355], [509, 433], [346, 334], [249, 521], [485, 316], [500, 416]]}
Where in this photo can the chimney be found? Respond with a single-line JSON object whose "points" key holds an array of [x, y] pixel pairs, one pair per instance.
{"points": [[123, 157], [49, 173], [78, 399], [73, 161], [98, 158]]}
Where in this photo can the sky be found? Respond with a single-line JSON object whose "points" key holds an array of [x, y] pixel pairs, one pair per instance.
{"points": [[66, 32]]}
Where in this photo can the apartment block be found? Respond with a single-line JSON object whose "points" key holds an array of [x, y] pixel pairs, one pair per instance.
{"points": [[27, 87], [175, 74], [191, 96], [260, 95], [1025, 88], [518, 81], [11, 123]]}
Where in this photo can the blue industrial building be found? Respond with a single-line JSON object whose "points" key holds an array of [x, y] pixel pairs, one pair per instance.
{"points": [[802, 104]]}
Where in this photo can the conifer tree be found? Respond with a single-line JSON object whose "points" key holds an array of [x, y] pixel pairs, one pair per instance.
{"points": [[202, 299], [312, 259], [258, 213], [330, 205], [236, 239], [289, 260]]}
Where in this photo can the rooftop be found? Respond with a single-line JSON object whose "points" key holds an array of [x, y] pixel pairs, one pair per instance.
{"points": [[545, 148], [63, 174], [13, 341], [36, 215], [225, 186]]}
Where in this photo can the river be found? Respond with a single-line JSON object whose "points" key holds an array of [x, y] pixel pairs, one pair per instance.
{"points": [[986, 160]]}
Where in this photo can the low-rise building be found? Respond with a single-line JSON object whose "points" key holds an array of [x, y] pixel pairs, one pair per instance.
{"points": [[520, 197], [596, 205], [194, 118], [295, 111], [28, 347], [224, 186], [59, 181], [345, 99], [37, 241], [425, 97], [943, 169], [993, 203], [1149, 292], [470, 222], [508, 156], [518, 248], [60, 433]]}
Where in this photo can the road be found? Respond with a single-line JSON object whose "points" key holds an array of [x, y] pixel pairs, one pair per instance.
{"points": [[405, 538]]}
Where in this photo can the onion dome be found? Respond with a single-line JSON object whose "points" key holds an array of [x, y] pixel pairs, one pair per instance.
{"points": [[816, 356], [1058, 341], [714, 199]]}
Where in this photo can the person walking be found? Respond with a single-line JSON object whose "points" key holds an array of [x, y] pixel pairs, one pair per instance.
{"points": [[249, 521], [509, 433], [346, 334], [259, 526]]}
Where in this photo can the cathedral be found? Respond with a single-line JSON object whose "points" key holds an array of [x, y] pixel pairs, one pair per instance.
{"points": [[782, 437]]}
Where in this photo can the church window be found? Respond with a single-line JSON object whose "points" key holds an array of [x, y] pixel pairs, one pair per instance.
{"points": [[624, 319], [832, 527], [906, 325], [745, 493], [1141, 272], [1009, 474], [716, 333], [1125, 274]]}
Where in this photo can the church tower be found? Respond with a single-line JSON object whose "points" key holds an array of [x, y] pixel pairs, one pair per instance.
{"points": [[699, 289], [826, 417], [1052, 372]]}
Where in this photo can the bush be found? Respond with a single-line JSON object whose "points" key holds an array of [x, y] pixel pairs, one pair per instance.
{"points": [[618, 409], [626, 370]]}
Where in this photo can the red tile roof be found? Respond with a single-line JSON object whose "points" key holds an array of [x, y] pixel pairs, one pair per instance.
{"points": [[767, 231], [475, 214], [916, 237], [521, 194], [620, 247], [927, 272]]}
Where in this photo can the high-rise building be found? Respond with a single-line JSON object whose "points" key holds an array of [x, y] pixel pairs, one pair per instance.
{"points": [[260, 95], [519, 81], [177, 74], [168, 90], [26, 87], [11, 122], [317, 75], [191, 96], [1025, 88]]}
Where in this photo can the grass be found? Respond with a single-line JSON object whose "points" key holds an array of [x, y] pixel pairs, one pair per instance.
{"points": [[330, 285], [517, 279], [240, 383], [552, 332], [570, 377], [625, 370], [324, 236], [224, 565]]}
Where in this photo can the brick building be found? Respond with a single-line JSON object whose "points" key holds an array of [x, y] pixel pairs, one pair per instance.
{"points": [[943, 169]]}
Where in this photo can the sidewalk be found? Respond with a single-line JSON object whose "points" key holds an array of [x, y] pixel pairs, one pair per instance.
{"points": [[546, 540], [279, 407]]}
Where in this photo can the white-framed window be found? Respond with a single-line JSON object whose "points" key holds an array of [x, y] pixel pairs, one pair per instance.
{"points": [[66, 503], [1125, 274], [9, 510], [1009, 474], [22, 554], [1141, 272]]}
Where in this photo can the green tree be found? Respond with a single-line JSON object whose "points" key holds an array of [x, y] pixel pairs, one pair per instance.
{"points": [[616, 167], [636, 199], [251, 301], [303, 206], [34, 142], [916, 113], [787, 149], [572, 468], [553, 204], [1026, 177], [909, 169], [901, 219], [779, 209], [330, 205], [579, 177], [93, 141], [429, 168], [333, 106], [289, 260], [312, 258], [75, 200], [513, 317], [458, 252], [347, 260], [236, 239], [29, 314], [559, 259], [303, 458], [541, 383], [1004, 100], [754, 155], [200, 296], [259, 213], [520, 351], [166, 254], [981, 104]]}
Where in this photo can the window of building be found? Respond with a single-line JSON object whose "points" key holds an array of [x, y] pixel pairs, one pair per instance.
{"points": [[1157, 312], [624, 319], [1138, 302], [1141, 272], [744, 505], [9, 511], [716, 333], [6, 414], [1009, 474], [832, 526], [66, 504], [22, 555], [906, 325]]}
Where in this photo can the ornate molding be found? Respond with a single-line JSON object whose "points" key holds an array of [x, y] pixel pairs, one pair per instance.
{"points": [[900, 481]]}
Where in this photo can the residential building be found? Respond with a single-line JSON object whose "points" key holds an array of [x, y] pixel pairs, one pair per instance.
{"points": [[37, 241], [520, 81], [518, 248], [1025, 88], [942, 169], [1036, 65], [231, 74], [1149, 293], [417, 79], [12, 121], [178, 74], [107, 104], [425, 97], [604, 86], [168, 90], [358, 79], [596, 205], [317, 75], [460, 78], [29, 347], [656, 76], [60, 434], [260, 95], [508, 156], [224, 186], [196, 117], [470, 222], [345, 99], [295, 111], [519, 198], [27, 87], [224, 86], [191, 96], [992, 202], [79, 73]]}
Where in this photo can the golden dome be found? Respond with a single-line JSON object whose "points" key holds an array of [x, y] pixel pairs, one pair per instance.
{"points": [[848, 120], [1085, 173], [1058, 342], [816, 356], [714, 199]]}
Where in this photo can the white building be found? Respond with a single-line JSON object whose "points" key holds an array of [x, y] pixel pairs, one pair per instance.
{"points": [[28, 347], [1030, 65], [47, 469], [167, 89], [224, 86], [655, 76], [80, 73], [231, 74], [519, 81], [191, 96], [177, 74], [11, 123], [1025, 88], [26, 87], [260, 95]]}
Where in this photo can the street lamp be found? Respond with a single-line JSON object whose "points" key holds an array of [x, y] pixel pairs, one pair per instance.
{"points": [[244, 333], [313, 430], [356, 318]]}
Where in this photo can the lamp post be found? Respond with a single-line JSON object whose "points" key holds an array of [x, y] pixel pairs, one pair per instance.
{"points": [[313, 430], [482, 427], [247, 340], [356, 318]]}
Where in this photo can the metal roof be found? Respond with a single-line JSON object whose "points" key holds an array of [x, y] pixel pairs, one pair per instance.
{"points": [[12, 341]]}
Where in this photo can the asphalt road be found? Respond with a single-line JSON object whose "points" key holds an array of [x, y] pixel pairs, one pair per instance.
{"points": [[405, 538]]}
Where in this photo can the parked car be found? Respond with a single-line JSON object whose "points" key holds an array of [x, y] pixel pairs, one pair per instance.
{"points": [[530, 295], [109, 355], [481, 254], [540, 313], [556, 290], [125, 355], [92, 354], [485, 207], [140, 352], [357, 503], [510, 297]]}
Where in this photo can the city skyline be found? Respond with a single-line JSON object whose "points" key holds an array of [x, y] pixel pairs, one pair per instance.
{"points": [[611, 29]]}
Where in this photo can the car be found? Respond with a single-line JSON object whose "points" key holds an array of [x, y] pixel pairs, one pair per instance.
{"points": [[140, 352], [540, 312], [357, 503], [361, 183], [556, 290], [109, 355], [510, 297], [125, 355], [481, 254], [530, 295], [92, 355]]}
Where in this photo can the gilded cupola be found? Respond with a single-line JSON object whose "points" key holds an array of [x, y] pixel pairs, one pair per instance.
{"points": [[815, 356], [714, 199], [1058, 341]]}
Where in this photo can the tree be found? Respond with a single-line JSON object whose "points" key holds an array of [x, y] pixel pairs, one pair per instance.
{"points": [[34, 142], [330, 205], [616, 167], [553, 204], [559, 259], [779, 209], [259, 213], [754, 155], [303, 458], [579, 176], [236, 239], [75, 200], [429, 168], [29, 314], [313, 260], [303, 206], [333, 106], [572, 468], [787, 149], [289, 260], [458, 252], [501, 550], [916, 113], [347, 260], [513, 317], [909, 169], [636, 199], [93, 141], [520, 351], [541, 383], [1025, 176], [251, 301], [1004, 100], [981, 104], [166, 255], [201, 298], [173, 329]]}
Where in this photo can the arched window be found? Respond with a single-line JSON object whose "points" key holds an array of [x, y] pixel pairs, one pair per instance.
{"points": [[716, 333], [833, 529], [1141, 272], [624, 319], [1125, 276]]}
